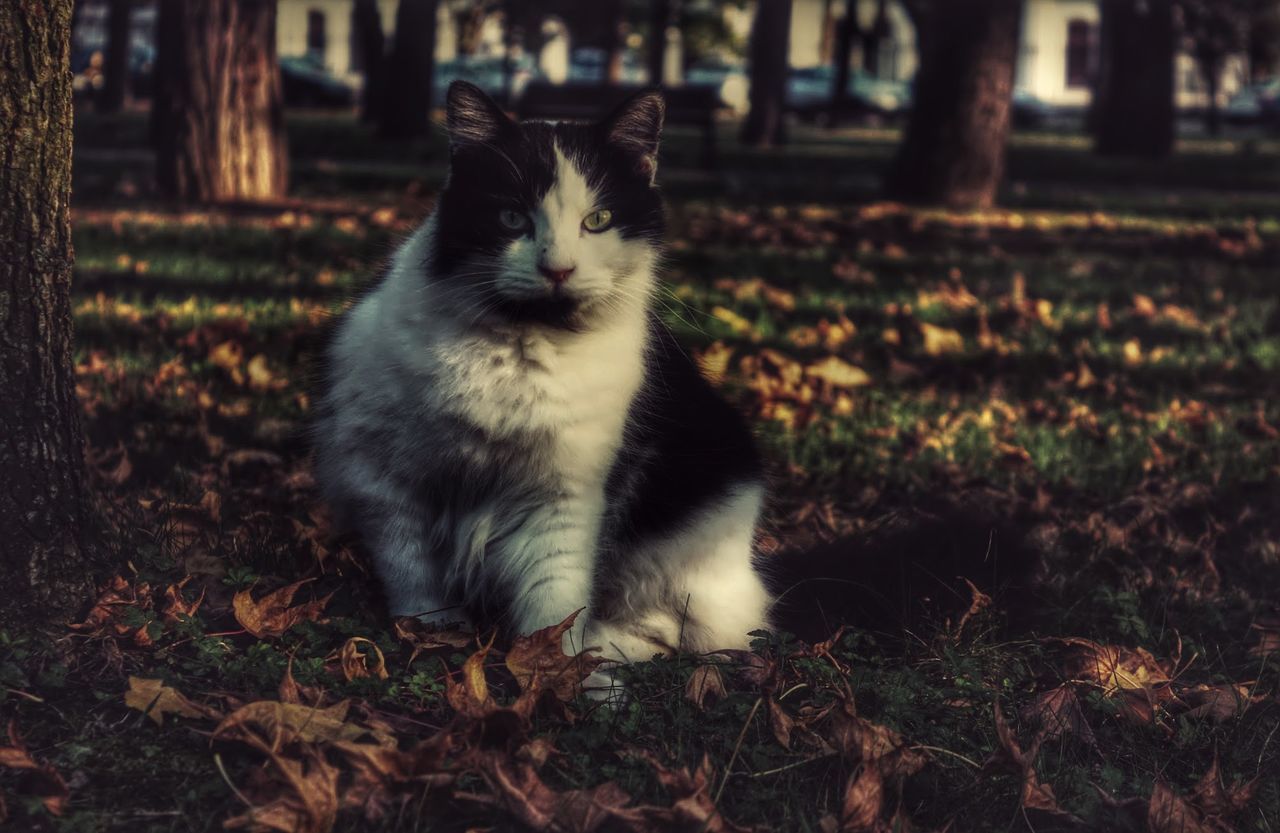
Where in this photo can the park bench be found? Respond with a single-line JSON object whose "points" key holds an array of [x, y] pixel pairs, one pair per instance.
{"points": [[688, 106]]}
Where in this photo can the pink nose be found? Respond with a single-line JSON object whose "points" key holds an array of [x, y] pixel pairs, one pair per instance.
{"points": [[558, 277]]}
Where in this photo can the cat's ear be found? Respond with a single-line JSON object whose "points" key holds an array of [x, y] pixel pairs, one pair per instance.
{"points": [[635, 127], [472, 117]]}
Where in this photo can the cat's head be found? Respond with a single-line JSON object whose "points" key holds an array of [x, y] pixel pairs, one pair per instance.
{"points": [[550, 224]]}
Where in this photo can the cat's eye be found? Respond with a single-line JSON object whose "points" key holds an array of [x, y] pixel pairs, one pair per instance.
{"points": [[598, 221], [513, 220]]}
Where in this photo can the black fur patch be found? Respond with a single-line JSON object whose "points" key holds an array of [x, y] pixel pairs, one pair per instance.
{"points": [[684, 448]]}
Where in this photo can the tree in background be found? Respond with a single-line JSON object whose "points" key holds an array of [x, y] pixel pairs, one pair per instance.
{"points": [[768, 63], [660, 19], [1214, 31], [1133, 107], [366, 28], [1263, 42], [406, 111], [874, 37], [217, 120], [115, 67], [44, 510], [848, 30], [953, 150]]}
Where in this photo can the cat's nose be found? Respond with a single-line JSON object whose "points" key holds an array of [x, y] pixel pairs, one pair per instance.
{"points": [[558, 277]]}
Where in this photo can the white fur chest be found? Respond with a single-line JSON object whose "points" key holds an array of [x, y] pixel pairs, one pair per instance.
{"points": [[567, 393]]}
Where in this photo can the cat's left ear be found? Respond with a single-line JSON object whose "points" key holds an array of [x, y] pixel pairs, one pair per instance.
{"points": [[472, 117], [635, 127]]}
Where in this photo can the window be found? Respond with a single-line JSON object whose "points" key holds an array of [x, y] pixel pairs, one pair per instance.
{"points": [[1082, 52], [317, 41]]}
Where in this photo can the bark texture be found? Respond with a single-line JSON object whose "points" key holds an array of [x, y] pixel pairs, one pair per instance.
{"points": [[43, 504], [1133, 111], [406, 111], [765, 125], [217, 119], [954, 147]]}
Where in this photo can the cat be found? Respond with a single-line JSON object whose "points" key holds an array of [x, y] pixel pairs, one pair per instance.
{"points": [[511, 429]]}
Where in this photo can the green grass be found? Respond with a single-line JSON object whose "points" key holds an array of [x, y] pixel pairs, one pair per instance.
{"points": [[1134, 503]]}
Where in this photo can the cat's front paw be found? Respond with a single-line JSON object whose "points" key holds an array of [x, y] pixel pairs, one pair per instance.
{"points": [[605, 687]]}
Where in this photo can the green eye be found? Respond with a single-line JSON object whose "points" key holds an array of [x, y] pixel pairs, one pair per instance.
{"points": [[598, 221], [513, 220]]}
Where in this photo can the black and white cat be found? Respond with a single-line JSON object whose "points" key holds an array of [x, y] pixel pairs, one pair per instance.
{"points": [[510, 428]]}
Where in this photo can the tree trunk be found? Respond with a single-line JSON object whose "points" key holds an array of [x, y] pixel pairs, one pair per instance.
{"points": [[366, 21], [1212, 69], [612, 42], [874, 38], [43, 504], [659, 20], [765, 125], [115, 68], [1133, 112], [847, 30], [953, 150], [407, 110], [217, 119]]}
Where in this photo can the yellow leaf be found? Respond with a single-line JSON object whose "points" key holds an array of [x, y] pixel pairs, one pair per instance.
{"points": [[155, 699], [260, 376], [357, 665], [939, 340], [714, 361], [1133, 352], [228, 355], [738, 324], [271, 615], [838, 373]]}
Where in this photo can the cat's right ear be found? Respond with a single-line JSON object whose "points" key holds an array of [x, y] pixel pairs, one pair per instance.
{"points": [[472, 117]]}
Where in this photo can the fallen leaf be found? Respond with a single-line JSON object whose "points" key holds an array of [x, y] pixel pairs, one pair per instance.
{"points": [[284, 723], [155, 699], [861, 807], [838, 373], [1169, 813], [705, 683], [272, 615], [539, 663], [42, 780], [359, 664], [939, 341]]}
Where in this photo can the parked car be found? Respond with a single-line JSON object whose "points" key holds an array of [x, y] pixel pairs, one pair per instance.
{"points": [[1255, 104], [1029, 111], [488, 72], [809, 91], [587, 63], [306, 83], [730, 80]]}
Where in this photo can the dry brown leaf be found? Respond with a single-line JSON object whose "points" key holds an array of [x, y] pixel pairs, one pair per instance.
{"points": [[978, 602], [310, 803], [426, 638], [272, 615], [42, 779], [1169, 813], [539, 663], [176, 607], [155, 699], [780, 723], [283, 723], [1057, 713], [705, 683], [358, 664], [860, 810], [872, 744], [471, 697]]}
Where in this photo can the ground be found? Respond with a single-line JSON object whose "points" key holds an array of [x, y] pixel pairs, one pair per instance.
{"points": [[1030, 458]]}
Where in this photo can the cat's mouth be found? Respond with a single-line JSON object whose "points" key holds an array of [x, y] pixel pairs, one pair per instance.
{"points": [[557, 309]]}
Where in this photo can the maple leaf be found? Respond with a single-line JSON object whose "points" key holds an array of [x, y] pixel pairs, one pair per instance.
{"points": [[310, 803], [1057, 713], [1170, 813], [176, 607], [519, 791], [692, 807], [155, 699], [871, 743], [285, 723], [1037, 799], [539, 663], [271, 615], [427, 638], [42, 779]]}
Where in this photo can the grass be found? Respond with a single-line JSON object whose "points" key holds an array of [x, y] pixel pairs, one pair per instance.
{"points": [[1071, 402]]}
